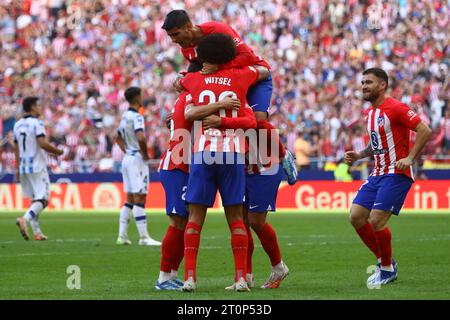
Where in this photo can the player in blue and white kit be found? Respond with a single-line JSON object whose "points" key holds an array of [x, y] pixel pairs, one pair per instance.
{"points": [[30, 141], [131, 139]]}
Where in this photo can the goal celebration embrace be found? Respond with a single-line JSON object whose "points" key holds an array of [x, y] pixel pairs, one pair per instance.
{"points": [[197, 149]]}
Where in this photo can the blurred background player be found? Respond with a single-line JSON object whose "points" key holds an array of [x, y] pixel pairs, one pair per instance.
{"points": [[30, 141], [180, 29], [132, 141], [218, 159], [389, 122]]}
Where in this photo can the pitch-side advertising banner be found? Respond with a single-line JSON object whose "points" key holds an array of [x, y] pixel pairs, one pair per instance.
{"points": [[308, 196]]}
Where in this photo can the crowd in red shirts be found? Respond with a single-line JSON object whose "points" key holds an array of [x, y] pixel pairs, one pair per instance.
{"points": [[79, 56]]}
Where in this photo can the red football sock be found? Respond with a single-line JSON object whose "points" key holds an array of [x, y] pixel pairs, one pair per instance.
{"points": [[250, 248], [269, 242], [167, 253], [178, 248], [239, 245], [367, 235], [384, 242], [191, 244]]}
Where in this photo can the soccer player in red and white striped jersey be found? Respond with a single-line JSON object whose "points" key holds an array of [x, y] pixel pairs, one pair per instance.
{"points": [[389, 123]]}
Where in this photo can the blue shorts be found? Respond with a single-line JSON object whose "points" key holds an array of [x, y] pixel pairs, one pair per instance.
{"points": [[386, 192], [206, 178], [260, 94], [175, 186], [261, 191]]}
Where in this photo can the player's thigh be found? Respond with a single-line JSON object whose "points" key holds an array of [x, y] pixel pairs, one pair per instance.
{"points": [[262, 190], [40, 184], [175, 186], [202, 182], [27, 187], [392, 193], [138, 175], [234, 213], [359, 215], [231, 180], [365, 197], [259, 95]]}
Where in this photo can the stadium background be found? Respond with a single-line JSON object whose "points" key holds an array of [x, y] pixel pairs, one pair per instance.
{"points": [[79, 56]]}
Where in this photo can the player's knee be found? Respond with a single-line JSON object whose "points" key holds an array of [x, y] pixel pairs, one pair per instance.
{"points": [[44, 203], [377, 224], [257, 225], [356, 220]]}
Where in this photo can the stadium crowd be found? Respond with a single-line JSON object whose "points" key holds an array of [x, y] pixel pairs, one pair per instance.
{"points": [[79, 56]]}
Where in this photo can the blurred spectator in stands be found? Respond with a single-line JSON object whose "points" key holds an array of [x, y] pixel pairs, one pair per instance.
{"points": [[302, 149]]}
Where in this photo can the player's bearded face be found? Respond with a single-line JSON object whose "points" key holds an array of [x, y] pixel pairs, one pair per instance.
{"points": [[181, 36], [371, 87]]}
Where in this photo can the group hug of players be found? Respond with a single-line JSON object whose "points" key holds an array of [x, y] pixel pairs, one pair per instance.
{"points": [[225, 94]]}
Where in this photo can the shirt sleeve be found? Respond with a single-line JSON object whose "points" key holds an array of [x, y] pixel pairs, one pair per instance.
{"points": [[138, 123], [39, 129], [406, 116], [250, 75]]}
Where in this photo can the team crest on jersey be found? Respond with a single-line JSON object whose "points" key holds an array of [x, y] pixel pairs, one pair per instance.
{"points": [[380, 121]]}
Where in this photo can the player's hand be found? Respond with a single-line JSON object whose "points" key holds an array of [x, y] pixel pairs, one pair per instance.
{"points": [[230, 103], [404, 163], [209, 68], [176, 84], [168, 119], [351, 156], [211, 122]]}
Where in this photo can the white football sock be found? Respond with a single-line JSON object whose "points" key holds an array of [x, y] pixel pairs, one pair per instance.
{"points": [[388, 268], [141, 220], [173, 274], [32, 216], [124, 220], [164, 276]]}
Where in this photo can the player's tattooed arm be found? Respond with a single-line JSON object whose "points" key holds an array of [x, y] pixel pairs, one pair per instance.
{"points": [[120, 142], [351, 156], [263, 72], [192, 113], [367, 152]]}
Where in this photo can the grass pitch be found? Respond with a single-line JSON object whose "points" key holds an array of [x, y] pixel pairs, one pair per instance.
{"points": [[325, 256]]}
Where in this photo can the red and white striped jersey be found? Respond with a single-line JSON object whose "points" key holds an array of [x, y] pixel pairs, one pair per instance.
{"points": [[389, 127], [205, 89], [180, 128]]}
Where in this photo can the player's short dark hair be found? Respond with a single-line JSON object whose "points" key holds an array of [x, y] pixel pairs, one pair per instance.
{"points": [[194, 66], [28, 103], [175, 19], [131, 93], [216, 48], [379, 73]]}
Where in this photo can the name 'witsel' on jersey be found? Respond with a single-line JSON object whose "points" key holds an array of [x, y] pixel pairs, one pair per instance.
{"points": [[130, 123], [26, 132]]}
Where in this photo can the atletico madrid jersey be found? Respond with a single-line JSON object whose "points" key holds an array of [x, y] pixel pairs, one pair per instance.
{"points": [[179, 144], [389, 127], [206, 89], [244, 55]]}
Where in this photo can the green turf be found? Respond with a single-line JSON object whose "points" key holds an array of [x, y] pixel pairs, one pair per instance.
{"points": [[325, 257]]}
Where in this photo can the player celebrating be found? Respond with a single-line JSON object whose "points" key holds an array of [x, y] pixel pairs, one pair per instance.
{"points": [[180, 29], [29, 138], [218, 161], [131, 139], [383, 194], [174, 168]]}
